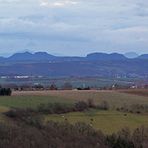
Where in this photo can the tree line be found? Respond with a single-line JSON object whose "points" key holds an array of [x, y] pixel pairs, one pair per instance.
{"points": [[5, 92]]}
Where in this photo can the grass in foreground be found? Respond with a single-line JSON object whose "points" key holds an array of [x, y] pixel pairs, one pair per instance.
{"points": [[107, 121]]}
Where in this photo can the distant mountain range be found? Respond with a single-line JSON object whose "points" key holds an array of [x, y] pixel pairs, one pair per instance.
{"points": [[27, 56], [44, 57], [94, 64]]}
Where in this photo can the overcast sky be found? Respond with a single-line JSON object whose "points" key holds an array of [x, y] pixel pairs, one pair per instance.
{"points": [[73, 27]]}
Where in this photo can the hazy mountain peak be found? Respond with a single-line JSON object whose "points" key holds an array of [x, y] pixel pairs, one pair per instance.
{"points": [[105, 56], [23, 53], [21, 56], [144, 56], [41, 53], [131, 55], [27, 56]]}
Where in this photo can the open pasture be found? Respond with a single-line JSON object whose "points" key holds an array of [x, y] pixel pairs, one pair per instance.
{"points": [[108, 121], [140, 92], [30, 101], [114, 98]]}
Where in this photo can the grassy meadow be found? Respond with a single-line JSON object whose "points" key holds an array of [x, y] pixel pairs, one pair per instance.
{"points": [[114, 98], [108, 121]]}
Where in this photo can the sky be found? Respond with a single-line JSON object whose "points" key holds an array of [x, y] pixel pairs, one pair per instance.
{"points": [[73, 27]]}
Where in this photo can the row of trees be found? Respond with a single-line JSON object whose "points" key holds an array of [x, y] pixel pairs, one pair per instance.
{"points": [[65, 86], [5, 92], [53, 86]]}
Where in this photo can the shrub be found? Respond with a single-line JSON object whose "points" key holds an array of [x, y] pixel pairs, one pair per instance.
{"points": [[136, 108], [5, 92], [18, 113], [81, 106], [103, 105], [90, 103], [55, 108]]}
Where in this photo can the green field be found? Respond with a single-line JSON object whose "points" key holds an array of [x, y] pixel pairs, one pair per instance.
{"points": [[108, 121], [33, 99], [30, 101]]}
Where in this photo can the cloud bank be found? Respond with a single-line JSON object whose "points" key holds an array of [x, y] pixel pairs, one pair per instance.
{"points": [[74, 26]]}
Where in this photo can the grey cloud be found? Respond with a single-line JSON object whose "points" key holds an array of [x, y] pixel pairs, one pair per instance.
{"points": [[89, 25]]}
